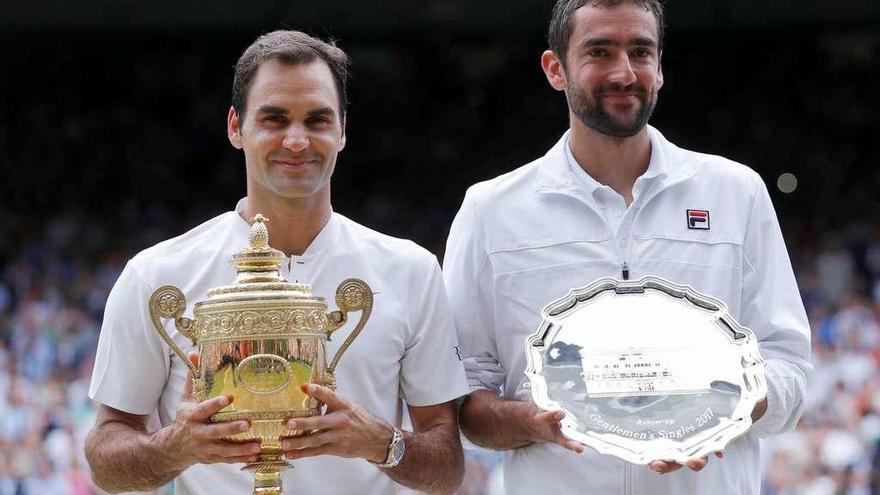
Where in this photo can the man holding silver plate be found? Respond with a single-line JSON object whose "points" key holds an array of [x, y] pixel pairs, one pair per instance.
{"points": [[263, 374], [623, 293]]}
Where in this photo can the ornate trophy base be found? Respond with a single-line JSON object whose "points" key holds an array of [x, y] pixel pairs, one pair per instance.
{"points": [[267, 473], [269, 431]]}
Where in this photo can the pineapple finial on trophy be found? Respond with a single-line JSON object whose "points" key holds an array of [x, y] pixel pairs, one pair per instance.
{"points": [[259, 262], [259, 237]]}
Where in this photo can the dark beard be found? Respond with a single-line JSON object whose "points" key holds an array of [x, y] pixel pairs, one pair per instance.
{"points": [[591, 113]]}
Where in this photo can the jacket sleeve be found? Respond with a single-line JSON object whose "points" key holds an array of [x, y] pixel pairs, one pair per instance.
{"points": [[468, 276], [772, 307]]}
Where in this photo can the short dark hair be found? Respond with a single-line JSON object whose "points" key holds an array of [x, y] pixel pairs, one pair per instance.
{"points": [[559, 32], [289, 47]]}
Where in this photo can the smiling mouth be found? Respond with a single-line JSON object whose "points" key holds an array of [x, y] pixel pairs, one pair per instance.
{"points": [[294, 164], [621, 102]]}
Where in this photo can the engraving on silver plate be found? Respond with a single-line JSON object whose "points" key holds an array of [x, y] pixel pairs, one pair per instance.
{"points": [[645, 369], [635, 372]]}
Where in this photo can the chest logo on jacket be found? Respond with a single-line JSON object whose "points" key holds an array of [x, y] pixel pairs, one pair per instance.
{"points": [[698, 219]]}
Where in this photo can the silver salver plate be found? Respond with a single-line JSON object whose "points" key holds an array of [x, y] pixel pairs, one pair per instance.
{"points": [[645, 370]]}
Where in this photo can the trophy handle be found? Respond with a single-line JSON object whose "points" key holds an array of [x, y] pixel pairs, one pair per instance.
{"points": [[168, 302], [352, 295]]}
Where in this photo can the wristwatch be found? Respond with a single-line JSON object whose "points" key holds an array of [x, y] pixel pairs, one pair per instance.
{"points": [[395, 450]]}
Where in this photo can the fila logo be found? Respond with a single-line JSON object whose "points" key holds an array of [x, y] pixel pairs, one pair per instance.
{"points": [[698, 219]]}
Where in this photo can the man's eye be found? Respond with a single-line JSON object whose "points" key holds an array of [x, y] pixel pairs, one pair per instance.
{"points": [[320, 122], [596, 52], [642, 52], [275, 119]]}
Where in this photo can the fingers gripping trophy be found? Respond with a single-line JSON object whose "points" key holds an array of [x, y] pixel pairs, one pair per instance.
{"points": [[260, 340]]}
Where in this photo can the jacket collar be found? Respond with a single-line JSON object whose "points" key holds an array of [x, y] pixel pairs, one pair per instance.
{"points": [[556, 175]]}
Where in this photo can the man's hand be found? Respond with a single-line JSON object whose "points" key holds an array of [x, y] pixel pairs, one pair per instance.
{"points": [[125, 457], [664, 467], [500, 424], [545, 427], [346, 430], [193, 439]]}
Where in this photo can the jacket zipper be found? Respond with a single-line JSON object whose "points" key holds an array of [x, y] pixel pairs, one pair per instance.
{"points": [[625, 251]]}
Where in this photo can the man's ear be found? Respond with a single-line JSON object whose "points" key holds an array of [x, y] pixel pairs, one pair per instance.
{"points": [[233, 128], [554, 70], [660, 71], [342, 138]]}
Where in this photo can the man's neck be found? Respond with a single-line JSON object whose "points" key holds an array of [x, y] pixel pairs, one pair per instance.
{"points": [[614, 162], [293, 223]]}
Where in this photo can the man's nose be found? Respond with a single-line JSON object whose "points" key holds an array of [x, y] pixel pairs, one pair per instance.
{"points": [[622, 72], [296, 138]]}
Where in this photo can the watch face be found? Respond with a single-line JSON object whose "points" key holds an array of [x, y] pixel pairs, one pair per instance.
{"points": [[397, 448]]}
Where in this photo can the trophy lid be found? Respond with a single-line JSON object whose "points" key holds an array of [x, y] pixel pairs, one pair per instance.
{"points": [[259, 274]]}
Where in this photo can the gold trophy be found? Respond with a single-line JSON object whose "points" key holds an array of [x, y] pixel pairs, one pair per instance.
{"points": [[259, 340]]}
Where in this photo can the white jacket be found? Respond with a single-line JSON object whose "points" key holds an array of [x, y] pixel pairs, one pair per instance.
{"points": [[525, 238]]}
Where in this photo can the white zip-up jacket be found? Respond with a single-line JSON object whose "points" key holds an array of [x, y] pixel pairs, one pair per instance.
{"points": [[525, 238]]}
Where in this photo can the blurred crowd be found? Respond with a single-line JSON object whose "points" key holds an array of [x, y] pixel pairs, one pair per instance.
{"points": [[834, 449], [108, 161], [51, 303]]}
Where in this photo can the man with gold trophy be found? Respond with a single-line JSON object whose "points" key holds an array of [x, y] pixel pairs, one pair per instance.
{"points": [[257, 371], [619, 241]]}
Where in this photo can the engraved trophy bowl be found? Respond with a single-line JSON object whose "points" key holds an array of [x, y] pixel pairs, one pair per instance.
{"points": [[259, 340], [645, 370]]}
